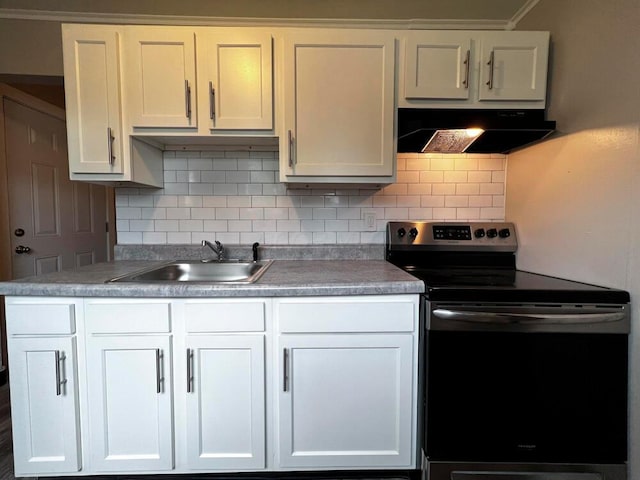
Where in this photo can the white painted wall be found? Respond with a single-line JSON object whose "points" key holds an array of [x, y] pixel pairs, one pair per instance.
{"points": [[576, 199]]}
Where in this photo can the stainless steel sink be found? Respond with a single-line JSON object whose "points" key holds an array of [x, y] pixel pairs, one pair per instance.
{"points": [[198, 271]]}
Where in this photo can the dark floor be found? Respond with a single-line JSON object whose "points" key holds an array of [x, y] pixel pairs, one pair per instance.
{"points": [[6, 463], [6, 449]]}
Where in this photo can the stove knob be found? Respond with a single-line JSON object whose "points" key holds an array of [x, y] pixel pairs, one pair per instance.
{"points": [[492, 233], [413, 233], [401, 232], [479, 233], [504, 233]]}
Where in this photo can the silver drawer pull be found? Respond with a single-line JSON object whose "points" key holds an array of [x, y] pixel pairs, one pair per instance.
{"points": [[491, 63], [159, 377], [189, 370], [285, 370], [59, 357]]}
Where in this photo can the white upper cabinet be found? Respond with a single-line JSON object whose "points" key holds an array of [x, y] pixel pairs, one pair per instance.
{"points": [[338, 111], [437, 65], [235, 68], [93, 103], [100, 147], [463, 69], [232, 89], [161, 76], [513, 66]]}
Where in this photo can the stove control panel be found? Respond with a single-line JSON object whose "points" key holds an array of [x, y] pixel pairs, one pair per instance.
{"points": [[487, 236]]}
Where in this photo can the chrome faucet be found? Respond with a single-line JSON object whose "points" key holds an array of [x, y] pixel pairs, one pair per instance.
{"points": [[218, 249]]}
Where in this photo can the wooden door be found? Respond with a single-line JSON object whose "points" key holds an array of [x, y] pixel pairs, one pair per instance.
{"points": [[54, 223]]}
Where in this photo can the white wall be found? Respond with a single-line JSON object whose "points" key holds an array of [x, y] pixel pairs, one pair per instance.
{"points": [[235, 197], [576, 199]]}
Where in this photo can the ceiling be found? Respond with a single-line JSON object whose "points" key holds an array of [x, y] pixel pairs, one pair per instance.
{"points": [[497, 13]]}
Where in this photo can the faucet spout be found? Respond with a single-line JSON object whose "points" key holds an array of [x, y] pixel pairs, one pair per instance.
{"points": [[218, 249]]}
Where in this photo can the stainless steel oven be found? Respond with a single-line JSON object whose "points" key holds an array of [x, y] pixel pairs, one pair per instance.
{"points": [[525, 375]]}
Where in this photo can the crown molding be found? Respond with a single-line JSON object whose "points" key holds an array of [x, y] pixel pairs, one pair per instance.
{"points": [[521, 13], [145, 19]]}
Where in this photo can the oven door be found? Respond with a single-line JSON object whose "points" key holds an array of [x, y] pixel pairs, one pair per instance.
{"points": [[526, 384]]}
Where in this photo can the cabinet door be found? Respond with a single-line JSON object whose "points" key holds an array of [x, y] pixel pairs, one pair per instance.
{"points": [[161, 74], [225, 402], [338, 104], [44, 405], [238, 64], [130, 410], [92, 96], [513, 66], [437, 65], [346, 401]]}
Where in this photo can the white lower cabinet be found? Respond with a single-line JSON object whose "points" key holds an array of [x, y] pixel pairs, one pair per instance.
{"points": [[346, 401], [130, 413], [44, 389], [124, 386], [225, 402]]}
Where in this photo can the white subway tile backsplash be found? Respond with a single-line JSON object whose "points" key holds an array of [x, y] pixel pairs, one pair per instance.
{"points": [[153, 238], [324, 238], [130, 238], [178, 238], [215, 225], [128, 213], [348, 237], [190, 225], [183, 213], [189, 201], [225, 189], [238, 201], [141, 225], [235, 197]]}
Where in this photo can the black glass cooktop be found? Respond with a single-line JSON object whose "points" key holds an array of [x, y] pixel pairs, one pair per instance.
{"points": [[489, 285]]}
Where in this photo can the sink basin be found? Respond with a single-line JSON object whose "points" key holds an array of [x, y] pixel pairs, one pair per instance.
{"points": [[198, 271]]}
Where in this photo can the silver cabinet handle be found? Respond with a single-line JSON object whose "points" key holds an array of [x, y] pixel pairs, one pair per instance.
{"points": [[187, 98], [467, 59], [285, 370], [212, 101], [291, 160], [189, 370], [159, 378], [59, 357], [491, 64], [110, 139]]}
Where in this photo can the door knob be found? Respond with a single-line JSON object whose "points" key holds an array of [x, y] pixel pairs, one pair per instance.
{"points": [[20, 249]]}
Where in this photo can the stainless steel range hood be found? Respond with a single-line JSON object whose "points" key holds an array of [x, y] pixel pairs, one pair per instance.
{"points": [[451, 130]]}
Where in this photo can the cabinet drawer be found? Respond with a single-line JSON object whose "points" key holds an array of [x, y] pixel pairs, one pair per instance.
{"points": [[225, 317], [128, 317], [41, 319], [347, 315]]}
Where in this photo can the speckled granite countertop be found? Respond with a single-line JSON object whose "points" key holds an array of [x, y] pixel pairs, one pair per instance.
{"points": [[283, 278]]}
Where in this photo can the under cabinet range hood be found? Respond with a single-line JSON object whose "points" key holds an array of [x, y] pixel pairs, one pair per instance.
{"points": [[470, 131]]}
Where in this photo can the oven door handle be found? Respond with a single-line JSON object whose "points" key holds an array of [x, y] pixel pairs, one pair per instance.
{"points": [[528, 318]]}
